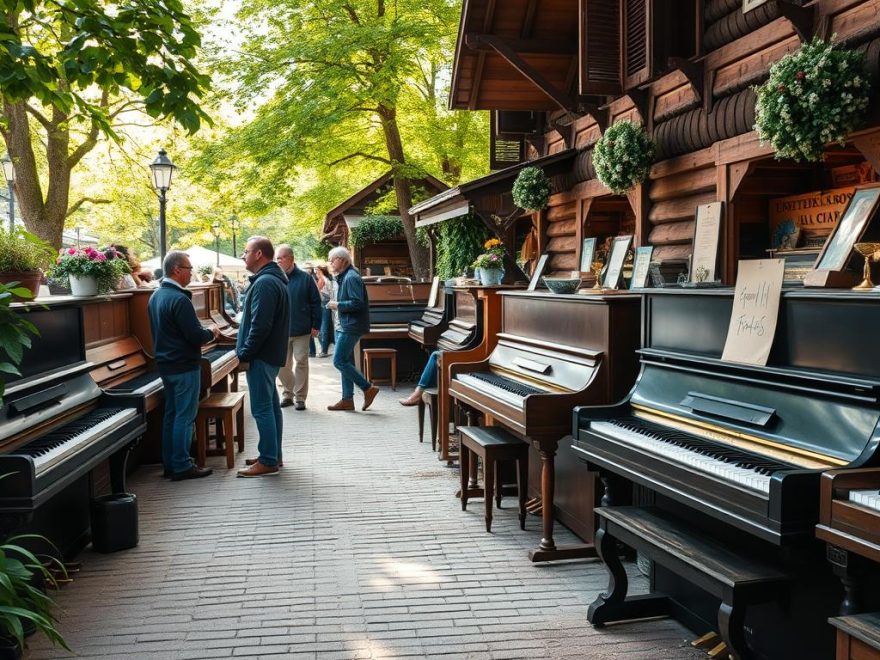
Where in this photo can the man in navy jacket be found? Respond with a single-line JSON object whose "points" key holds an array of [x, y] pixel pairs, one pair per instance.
{"points": [[177, 340], [262, 343], [304, 302]]}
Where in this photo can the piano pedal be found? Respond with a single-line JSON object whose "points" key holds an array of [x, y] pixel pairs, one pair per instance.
{"points": [[708, 640], [534, 506], [719, 651]]}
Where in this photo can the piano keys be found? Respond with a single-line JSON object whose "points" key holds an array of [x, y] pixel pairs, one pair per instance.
{"points": [[553, 352], [219, 364], [426, 330]]}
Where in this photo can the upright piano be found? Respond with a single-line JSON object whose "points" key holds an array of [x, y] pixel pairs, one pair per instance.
{"points": [[219, 365], [554, 352], [427, 329], [740, 448], [56, 425]]}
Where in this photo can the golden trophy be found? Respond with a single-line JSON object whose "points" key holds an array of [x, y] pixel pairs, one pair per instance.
{"points": [[871, 252], [596, 267]]}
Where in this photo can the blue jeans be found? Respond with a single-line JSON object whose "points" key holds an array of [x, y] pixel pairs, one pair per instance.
{"points": [[181, 396], [326, 334], [429, 373], [311, 346], [266, 410], [343, 360]]}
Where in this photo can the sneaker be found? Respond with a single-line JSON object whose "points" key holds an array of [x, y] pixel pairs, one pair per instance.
{"points": [[286, 403], [369, 394], [299, 405], [342, 404], [254, 461], [323, 354], [258, 470], [194, 472]]}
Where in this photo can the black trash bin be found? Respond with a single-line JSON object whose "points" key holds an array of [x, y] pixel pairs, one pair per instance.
{"points": [[114, 522]]}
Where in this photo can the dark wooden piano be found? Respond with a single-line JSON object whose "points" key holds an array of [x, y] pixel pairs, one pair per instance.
{"points": [[553, 352], [426, 331], [736, 451], [219, 362], [56, 425]]}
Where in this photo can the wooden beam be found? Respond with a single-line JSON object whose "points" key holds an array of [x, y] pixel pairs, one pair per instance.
{"points": [[693, 72], [801, 18], [500, 46], [478, 42], [599, 115], [529, 19], [639, 98], [478, 77]]}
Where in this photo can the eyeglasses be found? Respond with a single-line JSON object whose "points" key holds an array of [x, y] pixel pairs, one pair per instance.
{"points": [[186, 267]]}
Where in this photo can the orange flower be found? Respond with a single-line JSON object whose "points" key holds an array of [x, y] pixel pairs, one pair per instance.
{"points": [[492, 242]]}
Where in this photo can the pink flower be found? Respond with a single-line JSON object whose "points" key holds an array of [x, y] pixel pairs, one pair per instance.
{"points": [[71, 250], [98, 256]]}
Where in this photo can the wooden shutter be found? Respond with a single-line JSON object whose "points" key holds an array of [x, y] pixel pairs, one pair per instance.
{"points": [[505, 149], [636, 47], [599, 47]]}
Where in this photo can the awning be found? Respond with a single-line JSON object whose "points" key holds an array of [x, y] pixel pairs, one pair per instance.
{"points": [[487, 195]]}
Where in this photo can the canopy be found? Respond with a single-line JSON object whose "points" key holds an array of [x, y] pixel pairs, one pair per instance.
{"points": [[200, 256]]}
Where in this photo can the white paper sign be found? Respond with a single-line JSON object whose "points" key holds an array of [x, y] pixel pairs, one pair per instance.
{"points": [[706, 235], [755, 311]]}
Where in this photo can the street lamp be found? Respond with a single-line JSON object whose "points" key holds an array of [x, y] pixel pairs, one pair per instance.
{"points": [[233, 222], [215, 229], [9, 172], [162, 169]]}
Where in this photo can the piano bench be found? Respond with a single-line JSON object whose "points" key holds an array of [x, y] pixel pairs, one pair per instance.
{"points": [[429, 399], [736, 579], [371, 354], [228, 409], [492, 444]]}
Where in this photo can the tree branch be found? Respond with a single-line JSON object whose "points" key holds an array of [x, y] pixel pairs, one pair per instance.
{"points": [[352, 14], [93, 200], [360, 154], [39, 116], [91, 139]]}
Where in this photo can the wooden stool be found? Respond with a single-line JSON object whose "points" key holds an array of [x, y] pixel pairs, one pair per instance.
{"points": [[429, 399], [371, 354], [492, 444], [228, 409]]}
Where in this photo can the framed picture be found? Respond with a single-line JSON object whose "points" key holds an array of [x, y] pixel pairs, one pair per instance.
{"points": [[852, 224], [707, 234], [641, 265], [616, 259], [588, 253], [539, 270]]}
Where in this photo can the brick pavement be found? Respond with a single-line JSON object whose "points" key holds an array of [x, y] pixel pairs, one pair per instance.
{"points": [[357, 550]]}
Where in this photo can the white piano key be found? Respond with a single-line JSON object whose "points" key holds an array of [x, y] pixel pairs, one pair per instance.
{"points": [[81, 441], [867, 498], [493, 390]]}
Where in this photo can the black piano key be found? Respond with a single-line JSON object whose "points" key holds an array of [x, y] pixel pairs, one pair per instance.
{"points": [[59, 436]]}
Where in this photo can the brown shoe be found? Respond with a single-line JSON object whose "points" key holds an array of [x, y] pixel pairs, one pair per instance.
{"points": [[258, 470], [342, 404], [369, 394], [254, 461], [413, 399]]}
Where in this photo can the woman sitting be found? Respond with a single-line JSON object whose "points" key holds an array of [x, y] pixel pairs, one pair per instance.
{"points": [[427, 379]]}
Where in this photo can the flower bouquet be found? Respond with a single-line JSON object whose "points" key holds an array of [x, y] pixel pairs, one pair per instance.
{"points": [[623, 156], [490, 264], [88, 271]]}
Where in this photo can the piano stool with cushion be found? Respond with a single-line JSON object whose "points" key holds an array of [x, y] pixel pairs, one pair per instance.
{"points": [[429, 399], [371, 354], [493, 444], [738, 581], [227, 408]]}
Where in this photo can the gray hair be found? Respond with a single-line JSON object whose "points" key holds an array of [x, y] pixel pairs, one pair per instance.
{"points": [[172, 260], [283, 248], [340, 252]]}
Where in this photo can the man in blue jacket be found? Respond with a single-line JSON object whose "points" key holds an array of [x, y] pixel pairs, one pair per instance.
{"points": [[262, 343], [304, 302], [352, 308], [177, 340]]}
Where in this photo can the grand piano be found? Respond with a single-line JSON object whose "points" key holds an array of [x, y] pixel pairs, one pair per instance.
{"points": [[554, 352], [739, 449], [56, 425], [435, 319]]}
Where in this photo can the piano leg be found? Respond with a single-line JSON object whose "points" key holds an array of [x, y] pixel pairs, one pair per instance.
{"points": [[730, 625], [118, 468]]}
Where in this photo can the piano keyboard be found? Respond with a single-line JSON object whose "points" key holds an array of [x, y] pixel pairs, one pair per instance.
{"points": [[749, 470], [219, 354], [499, 386], [139, 385], [868, 498], [64, 442]]}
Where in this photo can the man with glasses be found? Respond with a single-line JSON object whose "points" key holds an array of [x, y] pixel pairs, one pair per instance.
{"points": [[352, 308], [262, 343], [177, 340], [304, 302]]}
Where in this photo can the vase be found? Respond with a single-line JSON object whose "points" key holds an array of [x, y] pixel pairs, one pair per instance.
{"points": [[490, 276], [29, 280], [85, 285]]}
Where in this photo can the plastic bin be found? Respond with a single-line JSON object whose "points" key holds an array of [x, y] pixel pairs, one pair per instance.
{"points": [[114, 522]]}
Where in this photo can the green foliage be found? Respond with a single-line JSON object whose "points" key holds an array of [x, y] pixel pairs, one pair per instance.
{"points": [[21, 251], [458, 243], [15, 331], [814, 96], [104, 267], [623, 156], [375, 229], [531, 190]]}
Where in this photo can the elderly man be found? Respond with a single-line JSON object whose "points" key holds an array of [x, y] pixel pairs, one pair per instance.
{"points": [[262, 342], [353, 320], [304, 302], [177, 340]]}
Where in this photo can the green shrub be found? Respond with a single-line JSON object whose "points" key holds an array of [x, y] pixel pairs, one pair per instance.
{"points": [[459, 241], [21, 251], [375, 229]]}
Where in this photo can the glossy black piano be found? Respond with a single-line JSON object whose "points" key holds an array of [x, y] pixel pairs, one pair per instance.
{"points": [[56, 425], [434, 321]]}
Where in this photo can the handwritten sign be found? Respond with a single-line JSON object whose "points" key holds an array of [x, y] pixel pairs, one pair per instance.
{"points": [[755, 311], [707, 231], [640, 267]]}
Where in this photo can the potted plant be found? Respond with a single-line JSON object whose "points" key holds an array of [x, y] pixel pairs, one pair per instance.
{"points": [[490, 265], [623, 157], [87, 271], [458, 242], [23, 257], [531, 190]]}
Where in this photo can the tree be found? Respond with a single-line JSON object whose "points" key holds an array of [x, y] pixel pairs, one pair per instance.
{"points": [[352, 91], [68, 70]]}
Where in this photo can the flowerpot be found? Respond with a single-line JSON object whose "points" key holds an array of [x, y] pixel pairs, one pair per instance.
{"points": [[29, 279], [83, 286], [490, 276]]}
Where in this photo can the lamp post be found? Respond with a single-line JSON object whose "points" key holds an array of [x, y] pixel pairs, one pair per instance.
{"points": [[215, 229], [233, 222], [9, 172], [162, 169]]}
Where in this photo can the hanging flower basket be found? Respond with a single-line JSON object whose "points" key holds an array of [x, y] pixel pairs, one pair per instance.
{"points": [[623, 157], [814, 96], [531, 190]]}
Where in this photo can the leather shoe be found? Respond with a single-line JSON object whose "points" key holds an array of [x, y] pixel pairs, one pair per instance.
{"points": [[299, 405], [286, 403], [254, 461], [342, 404], [258, 470], [413, 399], [369, 394], [195, 472]]}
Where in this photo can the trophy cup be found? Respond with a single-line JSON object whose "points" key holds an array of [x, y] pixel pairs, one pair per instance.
{"points": [[870, 252], [596, 267]]}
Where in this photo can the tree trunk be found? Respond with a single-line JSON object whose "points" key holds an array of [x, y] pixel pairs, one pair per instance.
{"points": [[403, 191]]}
